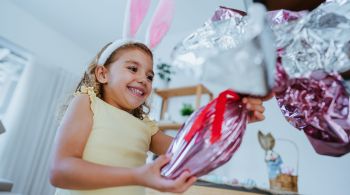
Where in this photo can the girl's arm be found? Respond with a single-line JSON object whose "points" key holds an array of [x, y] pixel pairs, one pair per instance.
{"points": [[160, 143], [70, 171]]}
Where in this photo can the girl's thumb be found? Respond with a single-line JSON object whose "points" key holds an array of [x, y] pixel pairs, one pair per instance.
{"points": [[161, 161]]}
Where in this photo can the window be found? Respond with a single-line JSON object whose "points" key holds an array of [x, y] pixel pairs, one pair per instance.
{"points": [[13, 60]]}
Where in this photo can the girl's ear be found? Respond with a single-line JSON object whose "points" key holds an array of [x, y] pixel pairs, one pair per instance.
{"points": [[101, 74]]}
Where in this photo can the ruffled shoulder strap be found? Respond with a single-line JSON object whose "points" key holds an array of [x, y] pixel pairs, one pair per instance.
{"points": [[89, 91]]}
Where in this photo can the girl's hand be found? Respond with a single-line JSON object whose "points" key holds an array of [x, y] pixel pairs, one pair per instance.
{"points": [[256, 108], [149, 176]]}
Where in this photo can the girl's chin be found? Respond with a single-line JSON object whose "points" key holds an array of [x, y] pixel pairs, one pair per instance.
{"points": [[134, 106]]}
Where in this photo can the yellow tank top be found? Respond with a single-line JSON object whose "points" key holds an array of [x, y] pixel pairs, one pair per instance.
{"points": [[117, 139]]}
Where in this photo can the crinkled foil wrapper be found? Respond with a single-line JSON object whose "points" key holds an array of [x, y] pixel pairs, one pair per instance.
{"points": [[199, 156], [232, 47], [319, 105], [318, 40], [224, 30], [310, 92]]}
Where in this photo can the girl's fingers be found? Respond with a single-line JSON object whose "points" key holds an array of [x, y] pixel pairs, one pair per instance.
{"points": [[188, 184], [161, 161], [258, 116], [182, 178], [252, 100], [255, 117], [268, 96], [255, 107]]}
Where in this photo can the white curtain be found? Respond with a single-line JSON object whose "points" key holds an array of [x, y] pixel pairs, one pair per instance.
{"points": [[31, 125]]}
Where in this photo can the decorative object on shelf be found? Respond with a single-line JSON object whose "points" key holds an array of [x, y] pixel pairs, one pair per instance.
{"points": [[280, 177], [219, 179], [186, 110], [165, 71]]}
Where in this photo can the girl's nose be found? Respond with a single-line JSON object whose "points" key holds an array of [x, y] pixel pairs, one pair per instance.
{"points": [[142, 79]]}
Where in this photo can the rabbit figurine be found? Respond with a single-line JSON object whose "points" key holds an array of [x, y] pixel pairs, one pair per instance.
{"points": [[278, 178], [272, 158]]}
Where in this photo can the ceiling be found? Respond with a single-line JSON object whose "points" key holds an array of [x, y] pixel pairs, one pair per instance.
{"points": [[92, 23]]}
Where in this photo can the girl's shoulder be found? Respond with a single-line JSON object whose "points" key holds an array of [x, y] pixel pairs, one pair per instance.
{"points": [[87, 96], [81, 102], [78, 114]]}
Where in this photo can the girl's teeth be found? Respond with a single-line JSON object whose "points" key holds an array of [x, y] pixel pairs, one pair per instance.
{"points": [[136, 91]]}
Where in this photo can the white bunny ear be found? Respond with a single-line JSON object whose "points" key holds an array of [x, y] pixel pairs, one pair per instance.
{"points": [[160, 22], [135, 12]]}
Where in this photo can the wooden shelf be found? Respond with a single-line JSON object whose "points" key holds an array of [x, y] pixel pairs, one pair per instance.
{"points": [[165, 94], [166, 126], [183, 91]]}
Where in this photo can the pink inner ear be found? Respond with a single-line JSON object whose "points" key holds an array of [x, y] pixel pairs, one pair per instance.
{"points": [[137, 12], [161, 22]]}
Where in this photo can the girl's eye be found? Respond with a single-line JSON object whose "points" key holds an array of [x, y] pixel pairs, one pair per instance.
{"points": [[133, 68], [150, 77]]}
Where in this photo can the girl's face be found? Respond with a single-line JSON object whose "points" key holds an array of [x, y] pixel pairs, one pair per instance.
{"points": [[129, 79]]}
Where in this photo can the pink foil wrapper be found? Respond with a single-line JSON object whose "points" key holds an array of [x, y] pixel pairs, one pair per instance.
{"points": [[200, 155], [278, 17], [314, 101], [319, 105]]}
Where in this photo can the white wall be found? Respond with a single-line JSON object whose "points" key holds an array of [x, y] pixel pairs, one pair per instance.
{"points": [[48, 46], [50, 50]]}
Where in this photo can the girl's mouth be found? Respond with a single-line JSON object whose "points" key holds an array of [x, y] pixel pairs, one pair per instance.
{"points": [[137, 91]]}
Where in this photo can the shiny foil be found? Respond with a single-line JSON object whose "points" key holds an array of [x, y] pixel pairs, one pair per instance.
{"points": [[318, 40], [199, 155], [232, 47], [318, 105], [309, 89], [224, 30]]}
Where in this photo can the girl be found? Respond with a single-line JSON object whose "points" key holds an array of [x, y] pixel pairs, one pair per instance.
{"points": [[105, 133]]}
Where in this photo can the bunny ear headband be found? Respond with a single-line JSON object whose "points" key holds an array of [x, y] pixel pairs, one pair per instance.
{"points": [[135, 13]]}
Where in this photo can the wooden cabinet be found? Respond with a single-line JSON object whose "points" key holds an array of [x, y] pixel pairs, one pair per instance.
{"points": [[166, 94]]}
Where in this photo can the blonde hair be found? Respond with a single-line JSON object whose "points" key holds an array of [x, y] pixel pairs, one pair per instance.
{"points": [[89, 78]]}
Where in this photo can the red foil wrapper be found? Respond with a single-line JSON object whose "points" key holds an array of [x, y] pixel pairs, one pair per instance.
{"points": [[209, 137]]}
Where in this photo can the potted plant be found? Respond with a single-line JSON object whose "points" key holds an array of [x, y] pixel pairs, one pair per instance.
{"points": [[186, 111], [164, 71]]}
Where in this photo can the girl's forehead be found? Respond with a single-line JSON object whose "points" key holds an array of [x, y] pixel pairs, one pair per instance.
{"points": [[135, 55]]}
